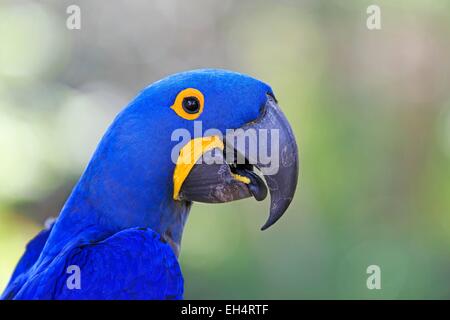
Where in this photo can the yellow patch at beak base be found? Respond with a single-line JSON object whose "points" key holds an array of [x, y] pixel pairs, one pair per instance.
{"points": [[189, 155], [240, 178]]}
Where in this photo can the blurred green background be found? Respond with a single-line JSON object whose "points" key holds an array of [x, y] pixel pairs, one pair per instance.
{"points": [[370, 109]]}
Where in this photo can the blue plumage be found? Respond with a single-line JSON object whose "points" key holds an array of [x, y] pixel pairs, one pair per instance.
{"points": [[128, 265], [121, 225]]}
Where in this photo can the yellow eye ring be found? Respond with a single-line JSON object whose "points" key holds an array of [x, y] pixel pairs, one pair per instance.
{"points": [[189, 104]]}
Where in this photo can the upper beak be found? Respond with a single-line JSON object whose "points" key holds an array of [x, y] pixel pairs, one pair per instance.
{"points": [[224, 170]]}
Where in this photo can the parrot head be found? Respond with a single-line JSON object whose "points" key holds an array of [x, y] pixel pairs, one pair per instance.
{"points": [[208, 136]]}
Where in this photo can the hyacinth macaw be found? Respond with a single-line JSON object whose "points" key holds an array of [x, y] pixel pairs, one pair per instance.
{"points": [[120, 229]]}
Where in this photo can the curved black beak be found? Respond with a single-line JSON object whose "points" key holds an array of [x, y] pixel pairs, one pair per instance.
{"points": [[267, 145], [276, 156]]}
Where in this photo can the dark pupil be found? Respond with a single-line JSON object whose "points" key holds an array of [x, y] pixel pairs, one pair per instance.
{"points": [[191, 105]]}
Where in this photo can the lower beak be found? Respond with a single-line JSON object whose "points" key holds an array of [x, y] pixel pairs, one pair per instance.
{"points": [[215, 170]]}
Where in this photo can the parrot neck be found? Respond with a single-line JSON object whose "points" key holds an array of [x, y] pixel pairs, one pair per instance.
{"points": [[120, 190]]}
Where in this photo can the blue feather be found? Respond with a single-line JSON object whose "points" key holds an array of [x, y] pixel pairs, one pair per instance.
{"points": [[131, 264]]}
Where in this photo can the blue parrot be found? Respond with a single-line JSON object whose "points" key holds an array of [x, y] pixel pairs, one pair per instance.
{"points": [[118, 235]]}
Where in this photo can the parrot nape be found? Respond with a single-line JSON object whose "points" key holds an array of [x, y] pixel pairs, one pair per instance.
{"points": [[120, 229]]}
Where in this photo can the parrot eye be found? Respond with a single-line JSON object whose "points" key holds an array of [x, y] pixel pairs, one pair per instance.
{"points": [[191, 105], [188, 104]]}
